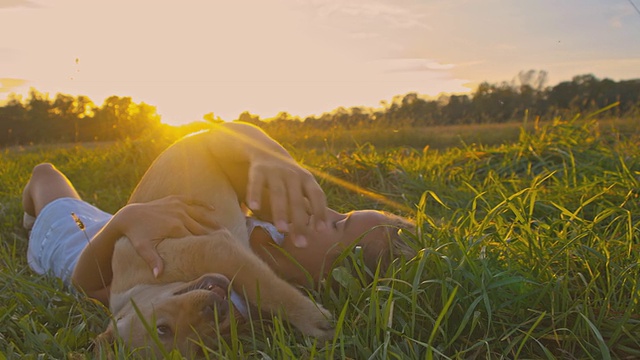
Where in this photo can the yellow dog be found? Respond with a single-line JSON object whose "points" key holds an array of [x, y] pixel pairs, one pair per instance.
{"points": [[190, 297]]}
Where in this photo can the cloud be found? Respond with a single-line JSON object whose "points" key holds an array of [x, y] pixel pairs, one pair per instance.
{"points": [[6, 4], [622, 14], [411, 65], [395, 16], [8, 84], [505, 47], [364, 35], [384, 13]]}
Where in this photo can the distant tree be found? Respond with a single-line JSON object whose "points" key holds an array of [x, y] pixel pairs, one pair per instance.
{"points": [[457, 110], [534, 79], [284, 116], [414, 110], [84, 109], [586, 93], [360, 117], [561, 96], [68, 115], [121, 118], [628, 93], [142, 117], [247, 117], [209, 117], [107, 118], [38, 105], [13, 122]]}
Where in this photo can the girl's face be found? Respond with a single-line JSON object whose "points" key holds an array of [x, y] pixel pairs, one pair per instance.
{"points": [[359, 226], [323, 246]]}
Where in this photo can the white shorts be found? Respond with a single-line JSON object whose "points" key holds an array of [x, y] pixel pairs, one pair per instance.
{"points": [[56, 241]]}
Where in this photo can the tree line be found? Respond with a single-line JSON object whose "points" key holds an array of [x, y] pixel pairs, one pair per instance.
{"points": [[67, 118], [524, 96]]}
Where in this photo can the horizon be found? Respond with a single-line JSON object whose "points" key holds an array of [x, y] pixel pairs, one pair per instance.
{"points": [[304, 57], [383, 104]]}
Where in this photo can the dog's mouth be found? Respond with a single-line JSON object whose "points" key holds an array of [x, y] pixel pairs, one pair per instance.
{"points": [[217, 284]]}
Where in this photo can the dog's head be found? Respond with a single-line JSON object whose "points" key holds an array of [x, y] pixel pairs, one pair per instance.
{"points": [[182, 316]]}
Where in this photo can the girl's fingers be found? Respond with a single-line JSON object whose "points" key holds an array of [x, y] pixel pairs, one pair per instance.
{"points": [[278, 197], [256, 183], [191, 202], [150, 255], [193, 227], [203, 216], [290, 188], [318, 203], [297, 211], [159, 267]]}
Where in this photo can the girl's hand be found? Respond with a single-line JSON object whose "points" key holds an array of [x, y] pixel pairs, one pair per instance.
{"points": [[294, 194], [146, 224]]}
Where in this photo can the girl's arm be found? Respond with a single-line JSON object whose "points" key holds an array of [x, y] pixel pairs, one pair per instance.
{"points": [[272, 184], [144, 225]]}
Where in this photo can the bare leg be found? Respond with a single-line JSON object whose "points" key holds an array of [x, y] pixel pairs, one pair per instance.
{"points": [[46, 184]]}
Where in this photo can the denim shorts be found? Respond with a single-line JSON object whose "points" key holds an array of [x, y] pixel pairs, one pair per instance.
{"points": [[57, 240]]}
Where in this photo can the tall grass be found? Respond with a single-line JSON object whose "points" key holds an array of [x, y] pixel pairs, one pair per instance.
{"points": [[527, 249]]}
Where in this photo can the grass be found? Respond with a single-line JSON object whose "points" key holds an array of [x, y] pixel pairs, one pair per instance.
{"points": [[527, 249]]}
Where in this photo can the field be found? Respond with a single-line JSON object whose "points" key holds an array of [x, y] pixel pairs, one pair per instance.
{"points": [[528, 247]]}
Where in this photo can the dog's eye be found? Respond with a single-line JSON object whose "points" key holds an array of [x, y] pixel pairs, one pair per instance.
{"points": [[163, 330]]}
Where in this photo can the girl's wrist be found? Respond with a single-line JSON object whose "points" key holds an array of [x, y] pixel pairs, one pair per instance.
{"points": [[121, 219]]}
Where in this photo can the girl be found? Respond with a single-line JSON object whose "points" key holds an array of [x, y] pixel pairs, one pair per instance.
{"points": [[288, 222]]}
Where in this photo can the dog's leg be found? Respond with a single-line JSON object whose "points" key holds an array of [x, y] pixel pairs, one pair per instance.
{"points": [[188, 258], [187, 168]]}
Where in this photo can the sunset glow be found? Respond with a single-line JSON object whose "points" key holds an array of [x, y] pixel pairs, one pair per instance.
{"points": [[303, 57]]}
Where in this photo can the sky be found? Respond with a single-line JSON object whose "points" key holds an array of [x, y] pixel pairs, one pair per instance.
{"points": [[305, 57]]}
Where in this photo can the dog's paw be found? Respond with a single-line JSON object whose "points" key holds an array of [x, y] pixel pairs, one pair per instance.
{"points": [[313, 320]]}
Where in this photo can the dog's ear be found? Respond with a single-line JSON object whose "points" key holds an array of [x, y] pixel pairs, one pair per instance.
{"points": [[103, 344]]}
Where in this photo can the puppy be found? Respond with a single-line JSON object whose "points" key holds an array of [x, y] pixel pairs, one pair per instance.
{"points": [[188, 303]]}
